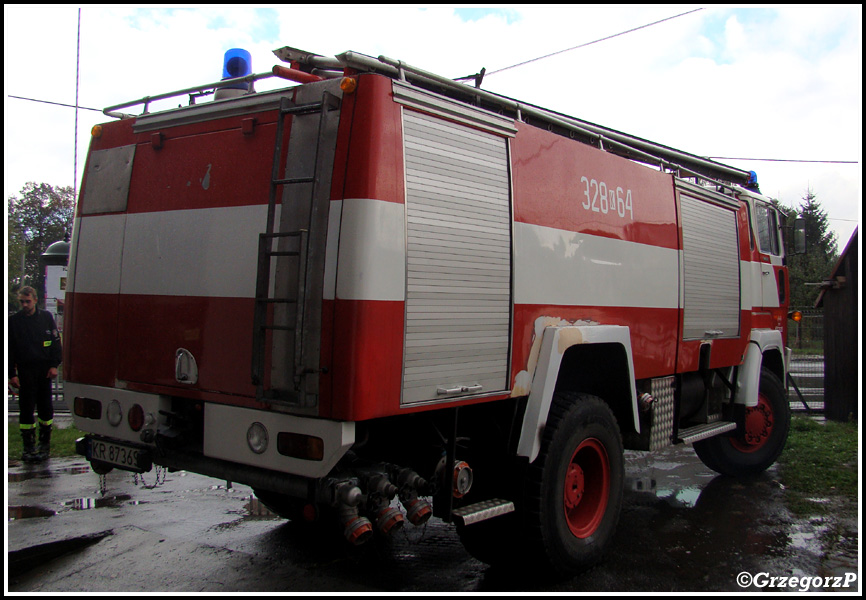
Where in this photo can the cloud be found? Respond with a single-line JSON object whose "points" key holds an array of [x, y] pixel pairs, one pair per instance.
{"points": [[782, 82]]}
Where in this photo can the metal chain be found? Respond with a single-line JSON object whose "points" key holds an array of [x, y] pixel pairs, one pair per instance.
{"points": [[160, 478], [415, 539], [137, 477]]}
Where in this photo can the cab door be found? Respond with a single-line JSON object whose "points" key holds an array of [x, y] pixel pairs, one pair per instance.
{"points": [[770, 248]]}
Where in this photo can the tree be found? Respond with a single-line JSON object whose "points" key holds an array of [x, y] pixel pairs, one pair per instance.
{"points": [[41, 216], [821, 251]]}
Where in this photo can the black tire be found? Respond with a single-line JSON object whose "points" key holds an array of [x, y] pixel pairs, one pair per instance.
{"points": [[759, 441], [575, 490]]}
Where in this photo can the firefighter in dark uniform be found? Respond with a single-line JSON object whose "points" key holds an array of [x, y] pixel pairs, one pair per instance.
{"points": [[34, 355]]}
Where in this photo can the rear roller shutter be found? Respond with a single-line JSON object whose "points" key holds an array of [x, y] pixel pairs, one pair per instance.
{"points": [[458, 296]]}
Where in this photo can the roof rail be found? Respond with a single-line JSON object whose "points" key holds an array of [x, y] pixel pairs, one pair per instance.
{"points": [[248, 79], [624, 144], [611, 140]]}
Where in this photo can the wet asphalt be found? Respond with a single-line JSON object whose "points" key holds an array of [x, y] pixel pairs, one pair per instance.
{"points": [[682, 529]]}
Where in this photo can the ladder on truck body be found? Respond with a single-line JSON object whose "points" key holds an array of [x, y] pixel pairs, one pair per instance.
{"points": [[293, 245]]}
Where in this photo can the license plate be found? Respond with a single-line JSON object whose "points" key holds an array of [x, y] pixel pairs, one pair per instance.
{"points": [[120, 455]]}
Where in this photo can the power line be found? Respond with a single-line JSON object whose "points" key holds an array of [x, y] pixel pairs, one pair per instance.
{"points": [[483, 73], [593, 42], [56, 103]]}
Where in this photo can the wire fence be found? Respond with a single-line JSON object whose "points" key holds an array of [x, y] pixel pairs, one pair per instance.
{"points": [[806, 370], [56, 396]]}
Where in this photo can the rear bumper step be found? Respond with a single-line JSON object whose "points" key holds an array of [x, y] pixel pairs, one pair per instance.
{"points": [[481, 511]]}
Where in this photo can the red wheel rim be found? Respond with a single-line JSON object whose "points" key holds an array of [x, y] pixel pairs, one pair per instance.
{"points": [[758, 427], [587, 487]]}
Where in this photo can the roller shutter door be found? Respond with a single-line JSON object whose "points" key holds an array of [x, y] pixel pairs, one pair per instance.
{"points": [[458, 277], [711, 270]]}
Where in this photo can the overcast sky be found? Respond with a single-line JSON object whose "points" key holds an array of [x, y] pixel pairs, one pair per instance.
{"points": [[744, 83]]}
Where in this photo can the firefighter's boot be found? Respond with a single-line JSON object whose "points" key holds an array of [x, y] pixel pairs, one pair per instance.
{"points": [[44, 442], [28, 436]]}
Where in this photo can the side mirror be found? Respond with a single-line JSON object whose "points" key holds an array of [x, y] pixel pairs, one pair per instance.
{"points": [[799, 235]]}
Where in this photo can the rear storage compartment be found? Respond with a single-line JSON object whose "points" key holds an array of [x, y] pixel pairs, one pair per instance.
{"points": [[196, 282], [168, 248]]}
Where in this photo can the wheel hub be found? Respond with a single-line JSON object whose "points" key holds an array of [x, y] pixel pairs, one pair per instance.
{"points": [[758, 426], [573, 486], [586, 488]]}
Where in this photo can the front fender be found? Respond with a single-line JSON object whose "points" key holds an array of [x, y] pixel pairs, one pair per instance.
{"points": [[749, 377]]}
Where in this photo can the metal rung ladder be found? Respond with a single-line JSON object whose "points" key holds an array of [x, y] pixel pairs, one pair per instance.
{"points": [[265, 251]]}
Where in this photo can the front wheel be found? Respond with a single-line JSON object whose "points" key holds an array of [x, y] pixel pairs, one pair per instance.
{"points": [[576, 484], [759, 442]]}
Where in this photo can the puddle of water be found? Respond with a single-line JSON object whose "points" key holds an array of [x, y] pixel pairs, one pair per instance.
{"points": [[88, 503], [682, 497], [686, 497], [805, 540], [27, 475], [666, 466], [76, 470], [28, 512], [45, 473]]}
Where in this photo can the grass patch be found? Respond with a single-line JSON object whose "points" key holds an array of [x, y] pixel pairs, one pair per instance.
{"points": [[62, 441], [819, 462]]}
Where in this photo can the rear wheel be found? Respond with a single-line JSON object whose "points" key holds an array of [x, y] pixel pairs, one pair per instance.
{"points": [[567, 513], [761, 439], [576, 484]]}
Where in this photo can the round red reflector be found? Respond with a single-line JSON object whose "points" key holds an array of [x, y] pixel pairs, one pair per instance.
{"points": [[136, 417]]}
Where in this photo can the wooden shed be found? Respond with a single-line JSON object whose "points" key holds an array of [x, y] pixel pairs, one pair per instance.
{"points": [[840, 300]]}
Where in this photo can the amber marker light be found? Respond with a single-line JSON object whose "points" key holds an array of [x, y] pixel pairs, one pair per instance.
{"points": [[298, 445], [87, 408], [795, 315], [348, 84], [96, 131]]}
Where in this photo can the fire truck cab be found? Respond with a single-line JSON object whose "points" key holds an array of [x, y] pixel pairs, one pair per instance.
{"points": [[379, 295]]}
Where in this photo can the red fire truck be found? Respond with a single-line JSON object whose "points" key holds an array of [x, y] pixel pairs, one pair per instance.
{"points": [[379, 295]]}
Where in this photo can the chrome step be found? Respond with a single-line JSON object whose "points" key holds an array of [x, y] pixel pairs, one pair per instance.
{"points": [[704, 431], [481, 511]]}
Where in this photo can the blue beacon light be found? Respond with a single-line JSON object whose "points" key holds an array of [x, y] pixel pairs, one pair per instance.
{"points": [[237, 63]]}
